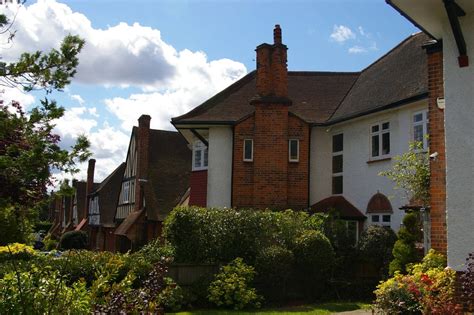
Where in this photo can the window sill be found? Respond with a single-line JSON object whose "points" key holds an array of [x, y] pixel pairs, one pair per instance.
{"points": [[379, 160]]}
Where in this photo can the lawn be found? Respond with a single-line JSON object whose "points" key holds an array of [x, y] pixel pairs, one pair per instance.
{"points": [[316, 309]]}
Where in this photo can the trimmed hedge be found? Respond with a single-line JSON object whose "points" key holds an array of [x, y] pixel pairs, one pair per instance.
{"points": [[74, 240]]}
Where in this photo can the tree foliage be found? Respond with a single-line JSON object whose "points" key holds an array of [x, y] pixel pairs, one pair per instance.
{"points": [[29, 149], [411, 172]]}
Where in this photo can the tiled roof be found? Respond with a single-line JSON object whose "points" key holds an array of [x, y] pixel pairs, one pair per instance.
{"points": [[347, 210], [329, 97], [379, 203]]}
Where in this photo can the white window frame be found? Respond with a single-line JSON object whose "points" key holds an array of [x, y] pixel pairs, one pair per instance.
{"points": [[243, 151], [380, 222], [424, 123], [200, 147], [332, 157], [297, 150], [380, 133]]}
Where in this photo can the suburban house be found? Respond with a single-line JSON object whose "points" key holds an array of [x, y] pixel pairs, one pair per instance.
{"points": [[283, 139], [70, 210], [102, 206], [450, 25], [155, 178]]}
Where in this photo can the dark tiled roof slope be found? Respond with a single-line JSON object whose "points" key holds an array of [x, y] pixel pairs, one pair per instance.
{"points": [[168, 172], [328, 97], [401, 74], [109, 190]]}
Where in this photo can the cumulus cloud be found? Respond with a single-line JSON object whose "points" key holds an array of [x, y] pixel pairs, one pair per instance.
{"points": [[357, 50], [8, 94], [121, 55], [341, 33], [170, 82]]}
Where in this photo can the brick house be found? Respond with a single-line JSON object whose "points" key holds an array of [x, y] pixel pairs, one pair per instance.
{"points": [[155, 178], [102, 206], [298, 139], [450, 26]]}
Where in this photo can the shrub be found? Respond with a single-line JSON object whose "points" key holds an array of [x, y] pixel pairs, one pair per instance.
{"points": [[428, 288], [274, 266], [171, 297], [50, 243], [232, 286], [404, 251], [73, 240], [314, 258], [467, 282], [41, 291], [16, 251], [375, 247], [201, 235]]}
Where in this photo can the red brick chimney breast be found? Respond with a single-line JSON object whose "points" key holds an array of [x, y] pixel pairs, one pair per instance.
{"points": [[143, 146]]}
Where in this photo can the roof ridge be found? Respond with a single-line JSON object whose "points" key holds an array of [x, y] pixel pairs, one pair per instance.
{"points": [[309, 73]]}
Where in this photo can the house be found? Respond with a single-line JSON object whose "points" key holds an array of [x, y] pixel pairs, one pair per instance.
{"points": [[298, 139], [102, 206], [450, 25], [154, 180]]}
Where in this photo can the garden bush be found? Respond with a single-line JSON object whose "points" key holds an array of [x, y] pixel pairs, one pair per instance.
{"points": [[42, 291], [375, 247], [428, 288], [404, 251], [16, 251], [232, 287], [467, 283], [73, 240], [275, 267], [314, 257], [202, 235]]}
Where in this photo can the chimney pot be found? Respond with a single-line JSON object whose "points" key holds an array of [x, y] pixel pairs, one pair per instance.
{"points": [[144, 121], [277, 34]]}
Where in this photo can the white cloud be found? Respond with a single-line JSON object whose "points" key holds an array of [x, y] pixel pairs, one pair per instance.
{"points": [[8, 94], [341, 33], [361, 31], [171, 82], [78, 98], [121, 55], [357, 50]]}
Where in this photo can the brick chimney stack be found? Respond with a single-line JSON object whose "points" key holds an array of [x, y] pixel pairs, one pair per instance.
{"points": [[272, 71], [89, 186], [143, 145]]}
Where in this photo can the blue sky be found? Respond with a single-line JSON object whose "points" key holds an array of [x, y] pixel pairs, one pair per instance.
{"points": [[165, 57]]}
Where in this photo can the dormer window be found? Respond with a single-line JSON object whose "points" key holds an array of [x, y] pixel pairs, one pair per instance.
{"points": [[200, 156]]}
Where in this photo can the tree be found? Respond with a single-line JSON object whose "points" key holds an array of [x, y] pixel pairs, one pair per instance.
{"points": [[29, 149], [411, 172]]}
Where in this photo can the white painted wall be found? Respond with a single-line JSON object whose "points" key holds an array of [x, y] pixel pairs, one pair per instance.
{"points": [[459, 128], [219, 174], [361, 180]]}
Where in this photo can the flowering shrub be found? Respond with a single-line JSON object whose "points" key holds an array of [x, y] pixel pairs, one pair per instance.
{"points": [[16, 251], [428, 288], [231, 287]]}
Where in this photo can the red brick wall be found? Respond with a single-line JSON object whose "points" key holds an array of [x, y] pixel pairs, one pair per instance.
{"points": [[437, 144], [198, 193], [242, 172], [298, 175], [271, 181]]}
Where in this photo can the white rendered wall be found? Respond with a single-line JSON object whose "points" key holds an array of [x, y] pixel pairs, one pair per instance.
{"points": [[459, 128], [360, 179], [219, 174]]}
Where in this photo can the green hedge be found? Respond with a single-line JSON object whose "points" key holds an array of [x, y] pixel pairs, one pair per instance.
{"points": [[202, 235]]}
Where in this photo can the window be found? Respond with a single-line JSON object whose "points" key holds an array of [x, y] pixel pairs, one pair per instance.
{"points": [[381, 219], [420, 127], [380, 140], [126, 192], [337, 163], [294, 150], [248, 150], [352, 231], [200, 156]]}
